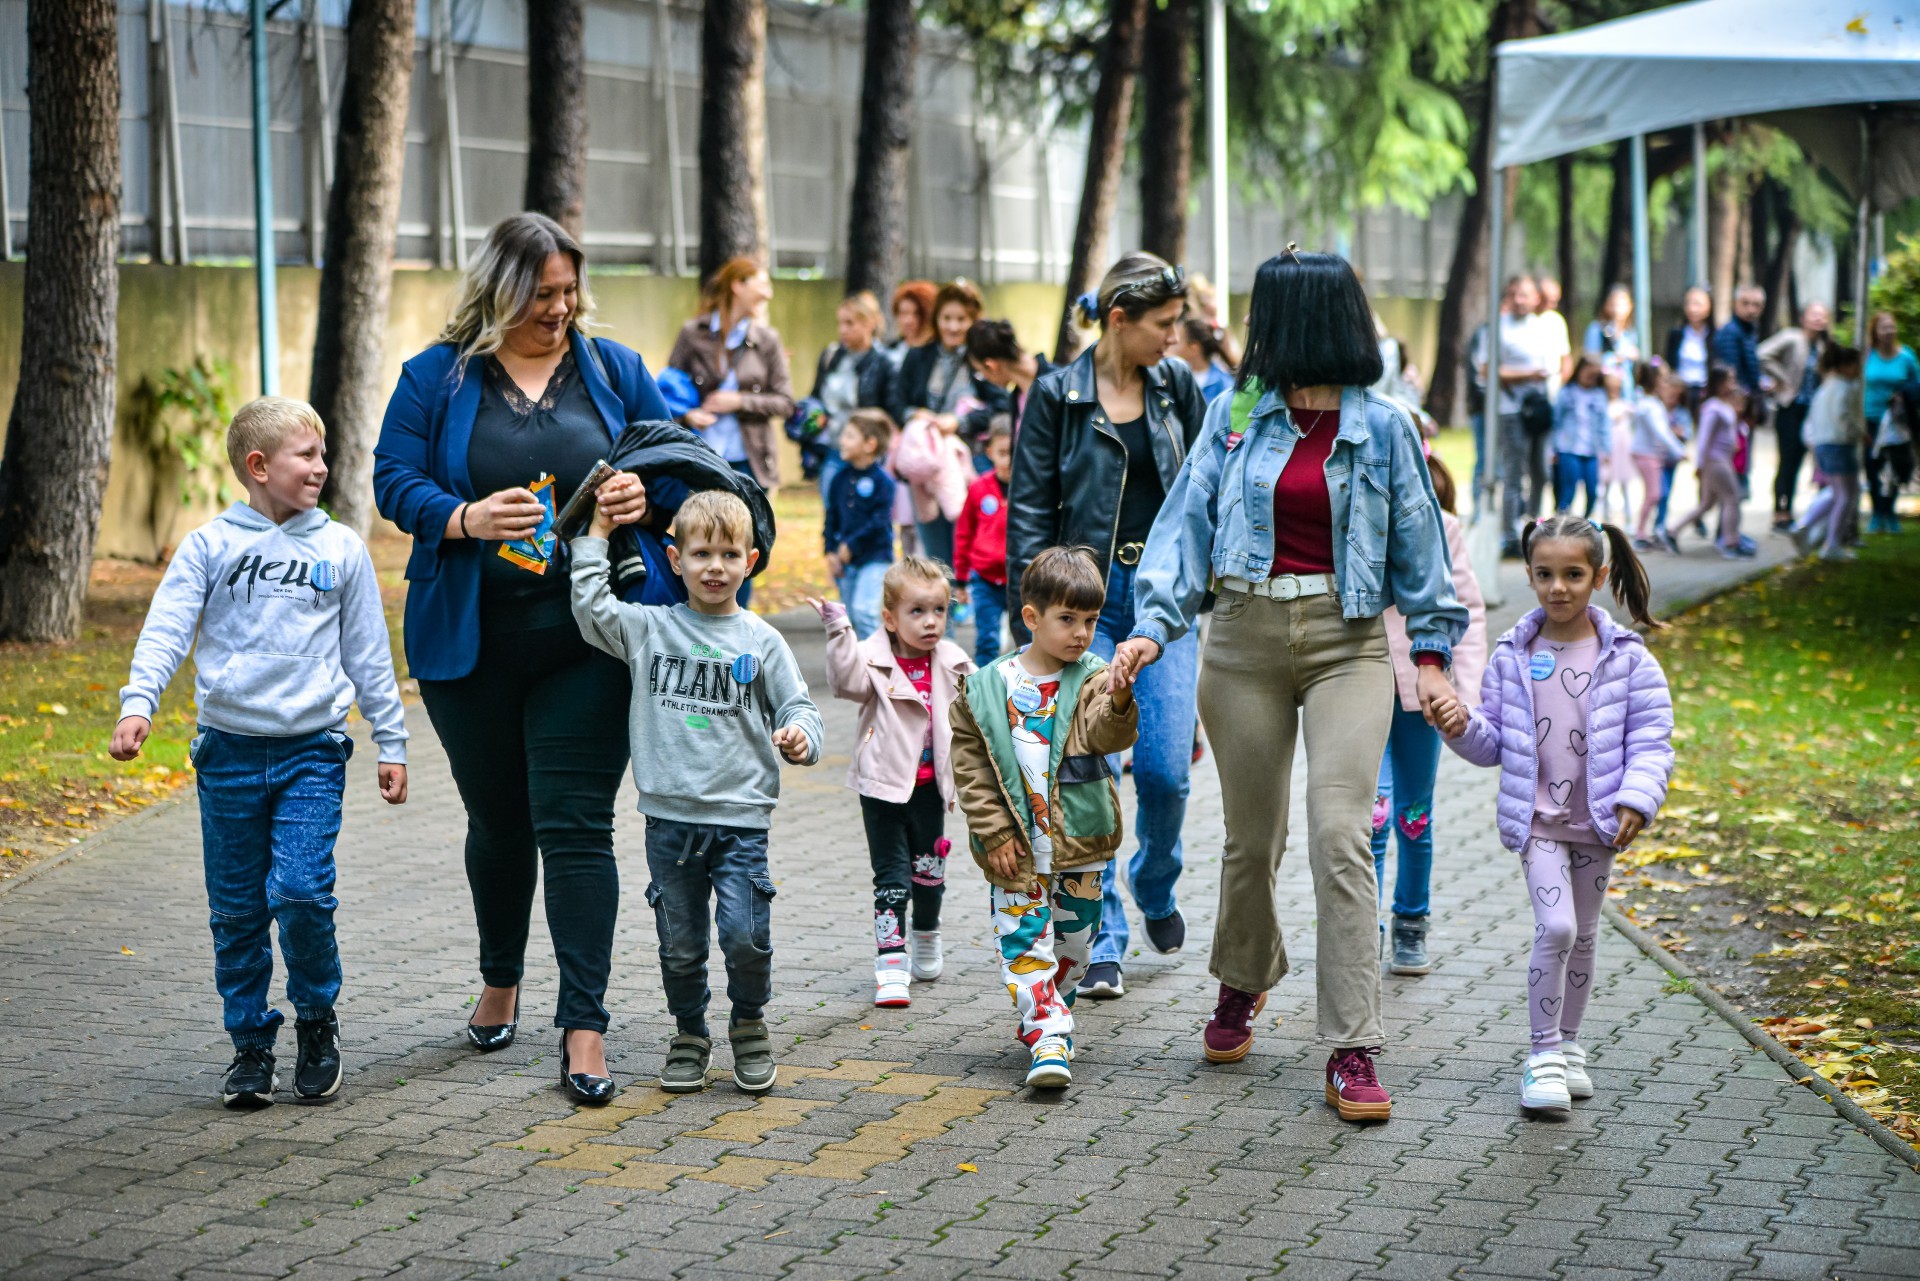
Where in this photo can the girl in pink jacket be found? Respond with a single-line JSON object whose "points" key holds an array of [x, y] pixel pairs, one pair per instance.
{"points": [[904, 677], [1576, 712]]}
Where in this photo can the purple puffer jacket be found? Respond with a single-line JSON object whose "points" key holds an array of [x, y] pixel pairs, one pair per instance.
{"points": [[1629, 729]]}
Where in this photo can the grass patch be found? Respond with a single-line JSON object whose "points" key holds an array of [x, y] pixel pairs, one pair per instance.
{"points": [[1782, 862]]}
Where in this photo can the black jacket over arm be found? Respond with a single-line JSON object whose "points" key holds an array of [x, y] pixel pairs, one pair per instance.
{"points": [[874, 370], [1069, 465]]}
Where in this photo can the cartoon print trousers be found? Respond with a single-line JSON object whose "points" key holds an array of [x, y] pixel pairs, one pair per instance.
{"points": [[1045, 937], [909, 856], [1566, 883]]}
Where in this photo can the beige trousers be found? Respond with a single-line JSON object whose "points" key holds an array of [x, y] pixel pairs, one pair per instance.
{"points": [[1271, 667]]}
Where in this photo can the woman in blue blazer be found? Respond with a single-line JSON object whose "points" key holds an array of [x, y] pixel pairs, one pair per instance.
{"points": [[533, 719]]}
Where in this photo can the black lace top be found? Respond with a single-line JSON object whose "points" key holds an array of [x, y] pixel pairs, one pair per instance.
{"points": [[515, 441]]}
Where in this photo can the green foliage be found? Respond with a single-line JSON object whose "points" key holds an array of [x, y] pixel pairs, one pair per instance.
{"points": [[1898, 289], [184, 415]]}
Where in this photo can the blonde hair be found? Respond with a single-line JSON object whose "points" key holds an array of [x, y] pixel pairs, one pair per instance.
{"points": [[864, 305], [718, 291], [913, 571], [501, 284], [714, 515], [265, 424]]}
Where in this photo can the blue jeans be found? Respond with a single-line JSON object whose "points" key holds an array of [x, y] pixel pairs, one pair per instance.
{"points": [[1479, 452], [269, 815], [861, 591], [989, 611], [694, 866], [830, 467], [1405, 803], [1667, 471], [1162, 761], [1571, 471]]}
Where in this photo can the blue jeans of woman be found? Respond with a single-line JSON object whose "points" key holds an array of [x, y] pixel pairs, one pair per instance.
{"points": [[1162, 762], [269, 816], [1667, 471], [1404, 803], [862, 589], [989, 611], [702, 872], [1570, 471]]}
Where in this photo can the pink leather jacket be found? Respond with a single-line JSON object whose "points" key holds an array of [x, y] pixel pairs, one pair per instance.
{"points": [[893, 720], [1469, 652]]}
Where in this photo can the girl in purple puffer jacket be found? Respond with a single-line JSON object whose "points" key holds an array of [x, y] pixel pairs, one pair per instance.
{"points": [[1576, 712]]}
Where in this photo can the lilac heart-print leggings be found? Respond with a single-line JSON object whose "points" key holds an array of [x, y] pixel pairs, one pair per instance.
{"points": [[1566, 883]]}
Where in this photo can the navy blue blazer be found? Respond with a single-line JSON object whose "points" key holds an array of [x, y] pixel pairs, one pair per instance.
{"points": [[420, 477]]}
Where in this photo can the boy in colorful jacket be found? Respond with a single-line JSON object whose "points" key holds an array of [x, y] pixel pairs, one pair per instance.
{"points": [[1042, 811]]}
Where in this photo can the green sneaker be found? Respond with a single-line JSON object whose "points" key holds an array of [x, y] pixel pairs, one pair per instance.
{"points": [[687, 1060], [753, 1068]]}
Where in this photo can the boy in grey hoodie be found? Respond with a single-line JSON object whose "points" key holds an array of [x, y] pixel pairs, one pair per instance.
{"points": [[287, 613], [718, 700]]}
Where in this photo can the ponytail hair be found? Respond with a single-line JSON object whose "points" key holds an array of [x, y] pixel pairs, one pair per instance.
{"points": [[1605, 545]]}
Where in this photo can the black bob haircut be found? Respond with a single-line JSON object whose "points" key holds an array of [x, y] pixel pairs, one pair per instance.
{"points": [[1310, 326]]}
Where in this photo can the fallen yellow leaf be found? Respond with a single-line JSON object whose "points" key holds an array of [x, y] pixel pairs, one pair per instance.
{"points": [[968, 1166]]}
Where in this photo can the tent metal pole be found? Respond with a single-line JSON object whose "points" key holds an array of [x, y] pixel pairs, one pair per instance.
{"points": [[263, 210], [1217, 151], [1496, 218], [1642, 250], [1862, 225], [1697, 269]]}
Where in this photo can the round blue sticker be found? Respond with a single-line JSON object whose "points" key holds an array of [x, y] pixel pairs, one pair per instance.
{"points": [[989, 505], [745, 668], [1026, 699], [864, 487], [325, 576], [1541, 666]]}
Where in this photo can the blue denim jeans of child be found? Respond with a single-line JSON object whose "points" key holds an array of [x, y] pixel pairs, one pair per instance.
{"points": [[1570, 471], [1404, 804], [989, 612], [862, 591], [269, 816], [1162, 763], [696, 866]]}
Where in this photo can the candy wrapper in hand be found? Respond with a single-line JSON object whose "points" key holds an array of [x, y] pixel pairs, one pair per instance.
{"points": [[535, 552]]}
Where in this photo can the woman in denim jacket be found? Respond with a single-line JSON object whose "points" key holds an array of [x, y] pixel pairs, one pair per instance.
{"points": [[1305, 557]]}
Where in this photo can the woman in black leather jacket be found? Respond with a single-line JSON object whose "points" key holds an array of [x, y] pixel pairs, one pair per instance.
{"points": [[1099, 444]]}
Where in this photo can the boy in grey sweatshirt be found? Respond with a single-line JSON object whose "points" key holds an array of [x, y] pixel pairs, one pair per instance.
{"points": [[287, 613], [718, 700]]}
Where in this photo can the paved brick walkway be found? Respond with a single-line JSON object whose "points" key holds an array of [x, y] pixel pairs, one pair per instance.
{"points": [[898, 1142]]}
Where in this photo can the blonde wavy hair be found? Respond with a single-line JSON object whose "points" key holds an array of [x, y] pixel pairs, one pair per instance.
{"points": [[504, 277]]}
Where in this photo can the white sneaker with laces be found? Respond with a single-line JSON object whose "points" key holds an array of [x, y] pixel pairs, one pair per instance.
{"points": [[1050, 1070], [892, 981], [927, 957], [1579, 1084], [1543, 1085]]}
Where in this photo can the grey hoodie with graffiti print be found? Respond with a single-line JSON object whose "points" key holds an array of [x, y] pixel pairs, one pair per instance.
{"points": [[289, 630]]}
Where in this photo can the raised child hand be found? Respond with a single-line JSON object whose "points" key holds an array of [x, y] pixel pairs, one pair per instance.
{"points": [[792, 742], [830, 611], [1632, 823], [128, 735], [393, 783]]}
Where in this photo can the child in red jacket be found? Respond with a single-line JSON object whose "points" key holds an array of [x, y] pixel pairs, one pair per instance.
{"points": [[980, 544]]}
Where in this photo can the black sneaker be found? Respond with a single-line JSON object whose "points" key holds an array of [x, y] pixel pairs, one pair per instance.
{"points": [[1168, 934], [250, 1080], [317, 1072], [1102, 981]]}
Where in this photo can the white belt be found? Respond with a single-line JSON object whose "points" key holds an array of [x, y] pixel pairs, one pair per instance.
{"points": [[1281, 586]]}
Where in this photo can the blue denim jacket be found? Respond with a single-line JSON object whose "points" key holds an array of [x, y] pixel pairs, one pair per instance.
{"points": [[1389, 547]]}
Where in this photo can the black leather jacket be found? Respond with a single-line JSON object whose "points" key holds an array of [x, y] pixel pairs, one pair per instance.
{"points": [[1069, 465]]}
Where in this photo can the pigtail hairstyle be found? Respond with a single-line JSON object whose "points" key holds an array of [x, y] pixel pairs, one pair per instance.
{"points": [[1605, 544]]}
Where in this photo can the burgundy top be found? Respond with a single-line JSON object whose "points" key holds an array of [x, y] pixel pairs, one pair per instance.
{"points": [[1302, 508]]}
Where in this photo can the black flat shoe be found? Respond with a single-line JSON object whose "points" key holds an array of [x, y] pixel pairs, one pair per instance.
{"points": [[581, 1087], [488, 1037]]}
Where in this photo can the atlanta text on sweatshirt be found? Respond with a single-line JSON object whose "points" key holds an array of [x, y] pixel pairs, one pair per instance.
{"points": [[708, 692], [289, 629]]}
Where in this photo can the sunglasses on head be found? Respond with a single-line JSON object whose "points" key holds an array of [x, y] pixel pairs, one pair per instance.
{"points": [[1172, 281]]}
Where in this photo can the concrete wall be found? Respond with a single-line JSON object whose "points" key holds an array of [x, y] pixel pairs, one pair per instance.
{"points": [[169, 315]]}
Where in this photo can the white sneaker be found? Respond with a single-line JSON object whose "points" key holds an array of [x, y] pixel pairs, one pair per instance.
{"points": [[927, 958], [892, 981], [1579, 1084], [1543, 1086], [1050, 1070]]}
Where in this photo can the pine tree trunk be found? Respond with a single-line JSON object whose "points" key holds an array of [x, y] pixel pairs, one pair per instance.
{"points": [[60, 435], [1566, 251], [356, 278], [1723, 230], [557, 111], [1166, 127], [733, 133], [1106, 152], [1776, 228], [877, 224], [1616, 259]]}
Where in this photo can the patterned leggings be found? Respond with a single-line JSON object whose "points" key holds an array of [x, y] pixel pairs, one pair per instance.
{"points": [[1566, 883], [1045, 939]]}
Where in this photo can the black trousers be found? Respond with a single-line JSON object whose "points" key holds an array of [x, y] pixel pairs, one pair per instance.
{"points": [[1882, 488], [537, 738], [1787, 423], [909, 851]]}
